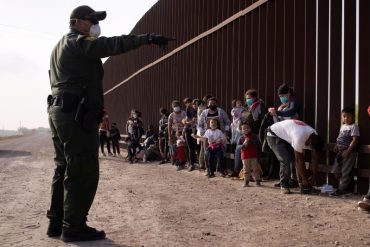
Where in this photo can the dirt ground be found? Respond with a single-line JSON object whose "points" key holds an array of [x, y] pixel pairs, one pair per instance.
{"points": [[155, 205]]}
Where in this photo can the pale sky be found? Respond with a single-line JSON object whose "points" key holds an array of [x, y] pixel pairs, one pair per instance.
{"points": [[28, 32]]}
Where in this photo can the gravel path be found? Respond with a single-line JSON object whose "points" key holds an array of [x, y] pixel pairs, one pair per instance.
{"points": [[154, 205]]}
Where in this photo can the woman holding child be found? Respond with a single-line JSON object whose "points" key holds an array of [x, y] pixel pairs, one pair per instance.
{"points": [[253, 115], [204, 123]]}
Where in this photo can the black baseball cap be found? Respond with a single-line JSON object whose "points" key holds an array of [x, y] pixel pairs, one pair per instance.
{"points": [[283, 89], [85, 12]]}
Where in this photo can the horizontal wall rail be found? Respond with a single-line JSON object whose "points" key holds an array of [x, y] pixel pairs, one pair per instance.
{"points": [[192, 41], [225, 47]]}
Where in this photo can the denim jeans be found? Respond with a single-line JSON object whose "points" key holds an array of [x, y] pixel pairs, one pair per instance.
{"points": [[342, 169], [212, 155], [282, 151]]}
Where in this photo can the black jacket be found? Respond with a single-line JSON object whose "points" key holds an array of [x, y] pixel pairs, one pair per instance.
{"points": [[76, 67]]}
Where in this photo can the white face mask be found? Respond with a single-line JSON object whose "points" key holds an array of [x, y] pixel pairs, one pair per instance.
{"points": [[176, 109], [95, 31]]}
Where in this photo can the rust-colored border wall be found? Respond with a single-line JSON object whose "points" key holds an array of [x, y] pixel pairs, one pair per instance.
{"points": [[297, 42]]}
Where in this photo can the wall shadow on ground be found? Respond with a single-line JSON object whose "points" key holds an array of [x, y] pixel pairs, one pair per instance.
{"points": [[13, 153]]}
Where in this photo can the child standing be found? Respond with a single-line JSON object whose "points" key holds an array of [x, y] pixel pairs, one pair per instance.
{"points": [[345, 148], [249, 154], [216, 141], [236, 113], [180, 157], [104, 134], [190, 128], [115, 137]]}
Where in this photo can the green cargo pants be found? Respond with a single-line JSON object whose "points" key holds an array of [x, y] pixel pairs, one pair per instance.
{"points": [[76, 172]]}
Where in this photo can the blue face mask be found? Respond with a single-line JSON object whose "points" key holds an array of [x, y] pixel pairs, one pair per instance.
{"points": [[249, 102], [283, 100]]}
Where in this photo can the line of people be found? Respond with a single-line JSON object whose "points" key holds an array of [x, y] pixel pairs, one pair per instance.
{"points": [[109, 134], [264, 141]]}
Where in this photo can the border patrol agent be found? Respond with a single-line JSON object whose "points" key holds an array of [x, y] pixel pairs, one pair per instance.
{"points": [[75, 108]]}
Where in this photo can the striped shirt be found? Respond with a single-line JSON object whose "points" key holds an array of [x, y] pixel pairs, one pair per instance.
{"points": [[346, 134]]}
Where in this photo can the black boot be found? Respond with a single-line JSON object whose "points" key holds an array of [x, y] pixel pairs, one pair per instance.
{"points": [[54, 228], [85, 234], [293, 183]]}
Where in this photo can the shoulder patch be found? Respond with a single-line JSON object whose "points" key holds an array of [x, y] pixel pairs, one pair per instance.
{"points": [[90, 38]]}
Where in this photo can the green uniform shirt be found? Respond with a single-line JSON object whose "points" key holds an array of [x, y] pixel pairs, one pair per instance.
{"points": [[76, 63]]}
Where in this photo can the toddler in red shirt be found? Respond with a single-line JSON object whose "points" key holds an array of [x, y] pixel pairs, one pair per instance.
{"points": [[180, 157], [249, 154]]}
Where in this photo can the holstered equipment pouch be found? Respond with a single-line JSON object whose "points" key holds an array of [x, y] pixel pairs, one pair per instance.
{"points": [[69, 102], [49, 100]]}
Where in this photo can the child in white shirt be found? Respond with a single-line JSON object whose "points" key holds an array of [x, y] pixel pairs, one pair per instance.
{"points": [[216, 142]]}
